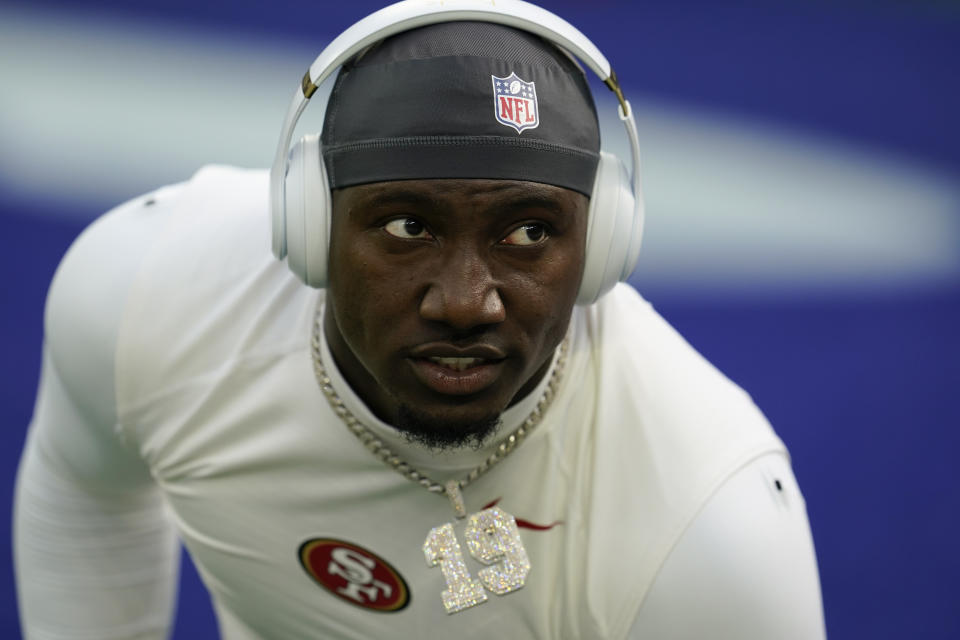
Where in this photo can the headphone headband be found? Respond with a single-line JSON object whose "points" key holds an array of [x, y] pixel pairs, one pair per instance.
{"points": [[410, 14]]}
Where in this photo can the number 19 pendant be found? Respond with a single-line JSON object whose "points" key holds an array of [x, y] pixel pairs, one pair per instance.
{"points": [[490, 535]]}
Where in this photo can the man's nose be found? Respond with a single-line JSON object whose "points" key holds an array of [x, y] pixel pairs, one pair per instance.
{"points": [[463, 293]]}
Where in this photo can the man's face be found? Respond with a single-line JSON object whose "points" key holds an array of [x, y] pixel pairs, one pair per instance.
{"points": [[448, 297]]}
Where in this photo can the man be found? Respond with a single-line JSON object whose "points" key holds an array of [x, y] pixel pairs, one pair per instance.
{"points": [[439, 442]]}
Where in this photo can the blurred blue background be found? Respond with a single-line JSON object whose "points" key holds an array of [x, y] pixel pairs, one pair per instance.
{"points": [[802, 167]]}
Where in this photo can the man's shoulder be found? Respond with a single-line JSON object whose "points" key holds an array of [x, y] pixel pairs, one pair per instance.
{"points": [[95, 276], [209, 296], [87, 295], [669, 430], [152, 246], [629, 332], [215, 224], [216, 200], [670, 385]]}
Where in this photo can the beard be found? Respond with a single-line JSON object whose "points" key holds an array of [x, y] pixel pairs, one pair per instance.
{"points": [[434, 433]]}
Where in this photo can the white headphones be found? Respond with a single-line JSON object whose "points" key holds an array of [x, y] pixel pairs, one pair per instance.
{"points": [[300, 199]]}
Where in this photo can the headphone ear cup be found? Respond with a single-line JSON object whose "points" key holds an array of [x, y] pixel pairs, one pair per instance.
{"points": [[613, 225], [307, 208]]}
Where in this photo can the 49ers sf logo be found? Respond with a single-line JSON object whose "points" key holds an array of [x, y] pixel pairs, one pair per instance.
{"points": [[354, 574]]}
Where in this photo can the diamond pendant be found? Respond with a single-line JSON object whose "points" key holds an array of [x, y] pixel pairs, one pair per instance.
{"points": [[492, 538]]}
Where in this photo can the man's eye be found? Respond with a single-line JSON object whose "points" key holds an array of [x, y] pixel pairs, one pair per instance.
{"points": [[526, 235], [406, 228]]}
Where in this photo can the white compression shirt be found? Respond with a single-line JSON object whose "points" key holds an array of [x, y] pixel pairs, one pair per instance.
{"points": [[96, 540]]}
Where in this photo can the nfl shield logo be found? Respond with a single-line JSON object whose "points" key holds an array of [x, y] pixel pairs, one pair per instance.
{"points": [[515, 102]]}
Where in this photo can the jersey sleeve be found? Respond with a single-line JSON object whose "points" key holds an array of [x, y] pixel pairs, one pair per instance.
{"points": [[744, 569], [95, 555]]}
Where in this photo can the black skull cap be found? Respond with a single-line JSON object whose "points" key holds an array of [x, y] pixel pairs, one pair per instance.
{"points": [[462, 100]]}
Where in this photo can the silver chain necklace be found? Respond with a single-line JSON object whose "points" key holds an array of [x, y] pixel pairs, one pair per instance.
{"points": [[452, 488]]}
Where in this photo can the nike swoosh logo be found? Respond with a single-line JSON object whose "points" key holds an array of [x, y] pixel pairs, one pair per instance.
{"points": [[526, 524]]}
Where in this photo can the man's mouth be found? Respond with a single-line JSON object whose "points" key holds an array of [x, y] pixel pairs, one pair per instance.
{"points": [[457, 364], [449, 370]]}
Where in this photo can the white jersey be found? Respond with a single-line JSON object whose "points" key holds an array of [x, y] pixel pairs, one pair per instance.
{"points": [[179, 395]]}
